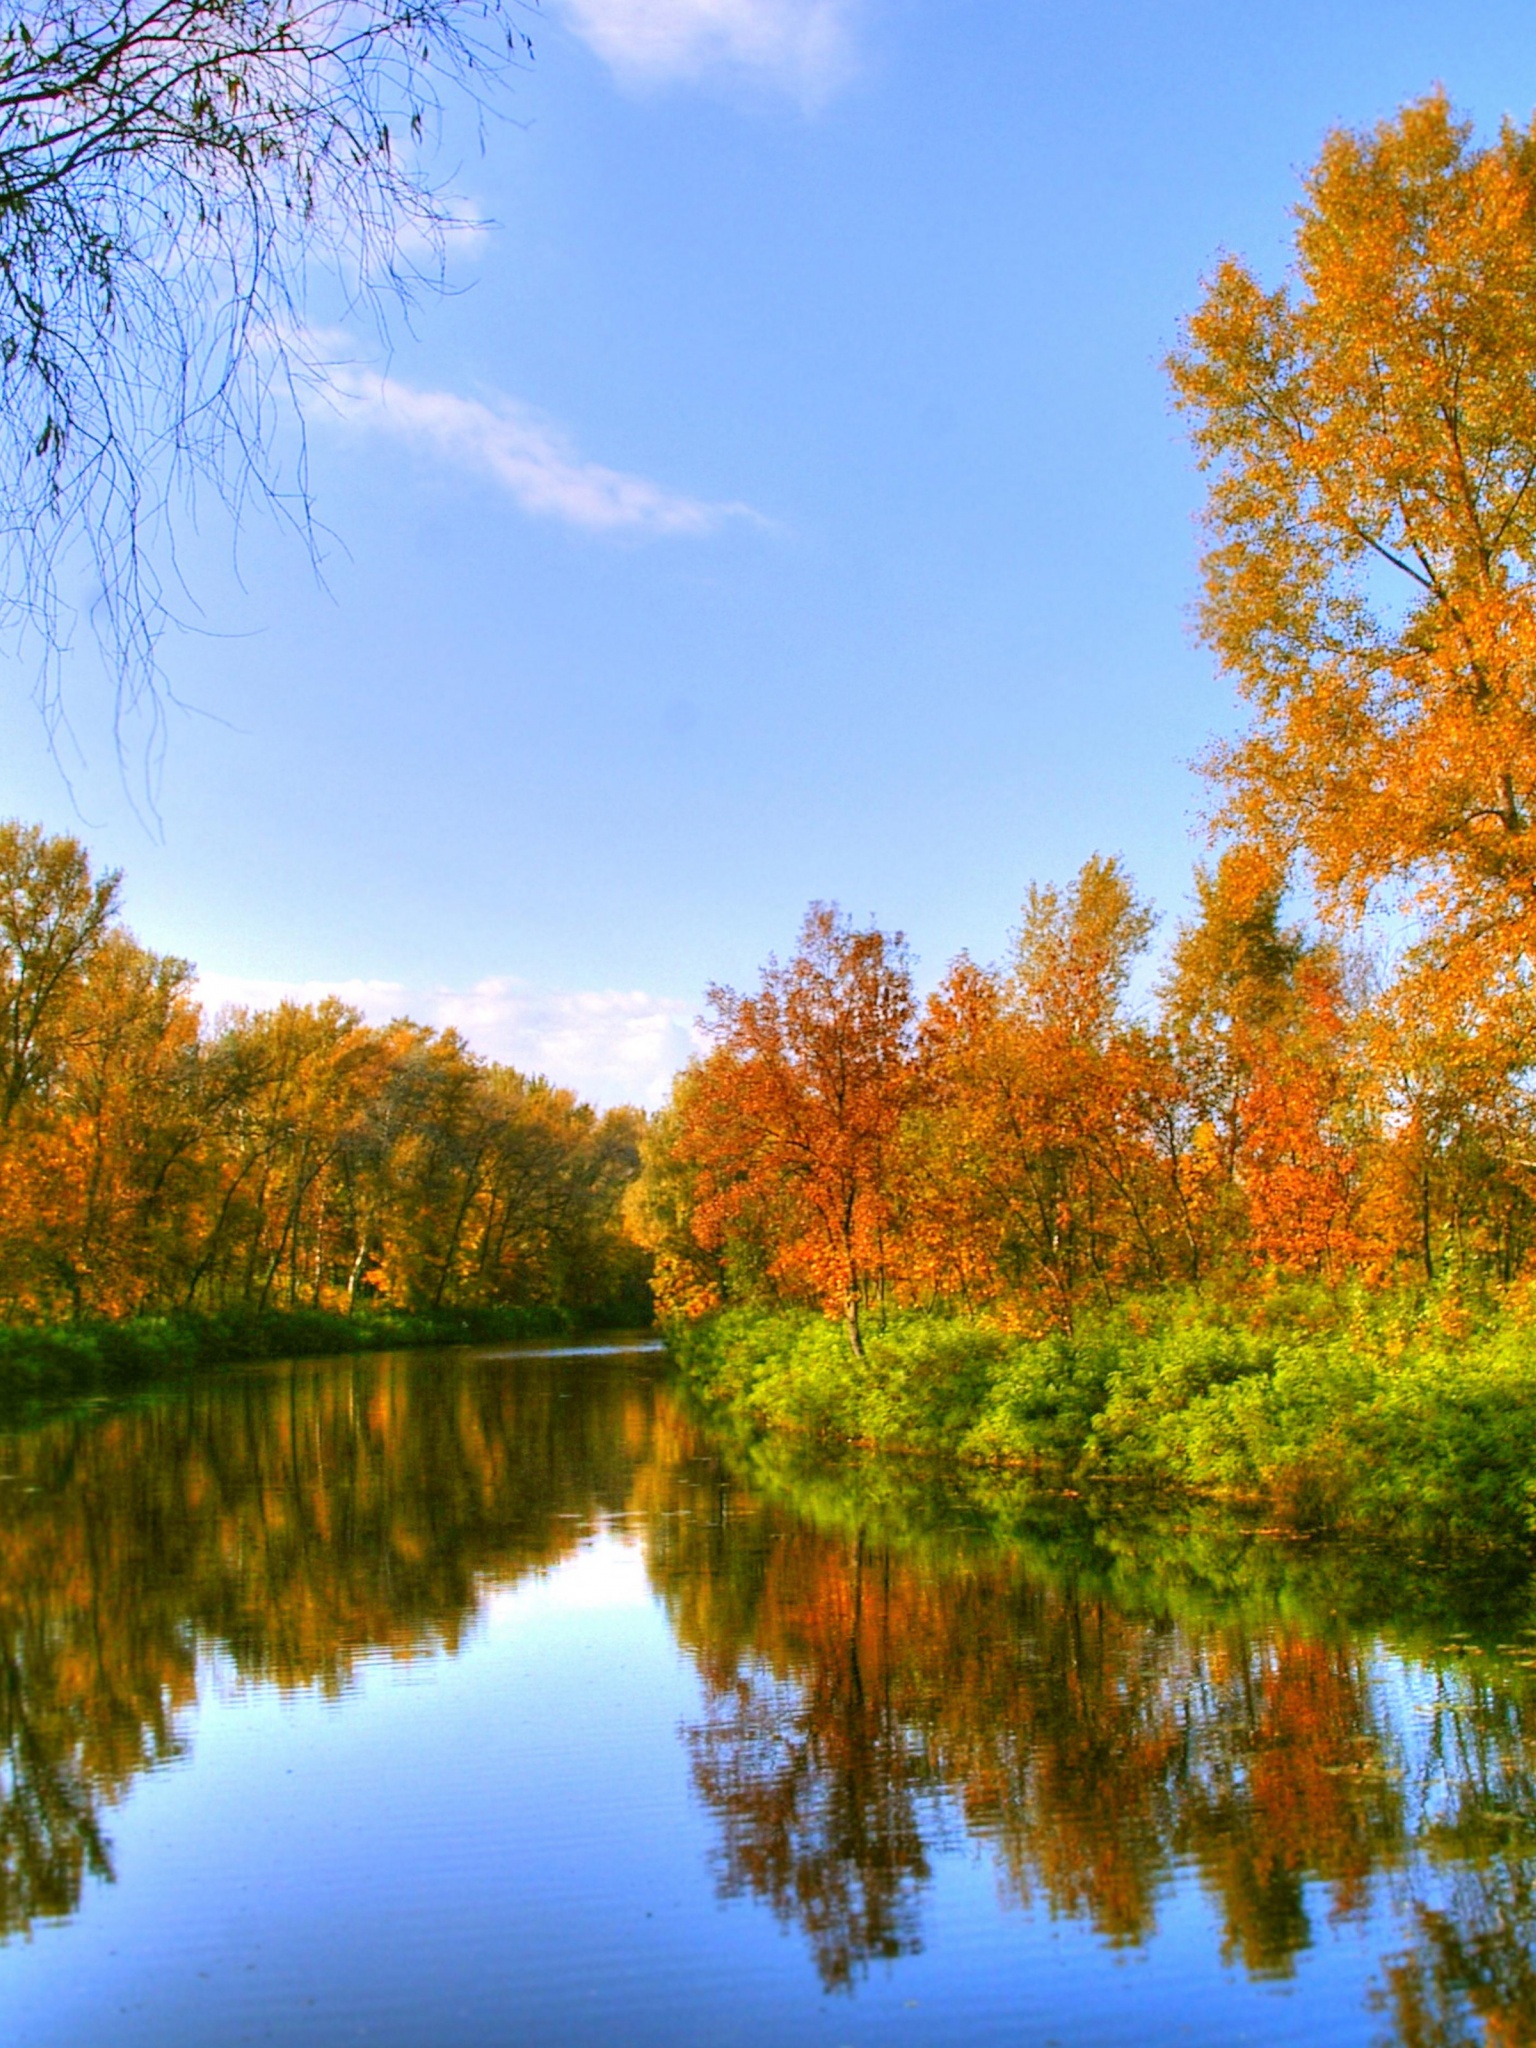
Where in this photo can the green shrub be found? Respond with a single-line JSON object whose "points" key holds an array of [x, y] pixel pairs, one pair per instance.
{"points": [[92, 1357], [1378, 1420]]}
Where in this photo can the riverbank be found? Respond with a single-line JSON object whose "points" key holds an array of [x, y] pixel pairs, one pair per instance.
{"points": [[1405, 1417], [39, 1361]]}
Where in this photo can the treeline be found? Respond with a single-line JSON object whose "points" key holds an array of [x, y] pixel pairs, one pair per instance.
{"points": [[1031, 1143], [153, 1163]]}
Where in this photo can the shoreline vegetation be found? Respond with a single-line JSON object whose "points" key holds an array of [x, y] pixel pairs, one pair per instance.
{"points": [[1256, 1216], [66, 1360], [1403, 1418]]}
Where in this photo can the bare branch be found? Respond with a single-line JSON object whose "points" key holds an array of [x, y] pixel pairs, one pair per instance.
{"points": [[172, 175]]}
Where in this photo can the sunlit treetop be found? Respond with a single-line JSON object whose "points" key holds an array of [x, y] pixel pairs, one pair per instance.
{"points": [[1369, 431]]}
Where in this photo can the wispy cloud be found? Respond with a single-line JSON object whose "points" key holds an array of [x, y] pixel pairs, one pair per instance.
{"points": [[378, 1000], [524, 453], [803, 47], [610, 1045]]}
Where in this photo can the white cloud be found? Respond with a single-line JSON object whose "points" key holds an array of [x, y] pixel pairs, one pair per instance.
{"points": [[376, 999], [804, 47], [610, 1045], [527, 455]]}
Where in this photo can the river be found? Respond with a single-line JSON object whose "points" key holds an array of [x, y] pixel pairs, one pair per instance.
{"points": [[486, 1696]]}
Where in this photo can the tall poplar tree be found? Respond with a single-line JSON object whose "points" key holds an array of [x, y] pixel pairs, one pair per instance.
{"points": [[1369, 430]]}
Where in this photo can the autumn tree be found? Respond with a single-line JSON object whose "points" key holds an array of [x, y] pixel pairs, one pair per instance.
{"points": [[1450, 1181], [798, 1105], [1026, 1145], [1369, 431], [1256, 1021], [53, 914], [689, 1271], [119, 1161]]}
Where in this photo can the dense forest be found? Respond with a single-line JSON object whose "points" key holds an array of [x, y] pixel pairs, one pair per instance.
{"points": [[155, 1162], [1030, 1143]]}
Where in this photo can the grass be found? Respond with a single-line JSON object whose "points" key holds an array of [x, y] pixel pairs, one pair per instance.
{"points": [[1390, 1415]]}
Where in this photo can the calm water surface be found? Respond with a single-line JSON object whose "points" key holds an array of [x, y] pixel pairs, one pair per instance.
{"points": [[482, 1697]]}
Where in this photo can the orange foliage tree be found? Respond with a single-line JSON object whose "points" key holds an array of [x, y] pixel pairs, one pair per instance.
{"points": [[1369, 429], [1034, 1145], [791, 1120], [1370, 433], [1260, 1033], [1029, 1148]]}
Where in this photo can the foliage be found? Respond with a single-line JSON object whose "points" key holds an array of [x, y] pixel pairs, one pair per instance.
{"points": [[1031, 1148], [787, 1127], [158, 1168], [1370, 432], [1383, 1416]]}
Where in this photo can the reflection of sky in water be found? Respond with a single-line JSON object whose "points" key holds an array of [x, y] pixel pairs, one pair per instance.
{"points": [[518, 1838], [504, 1846]]}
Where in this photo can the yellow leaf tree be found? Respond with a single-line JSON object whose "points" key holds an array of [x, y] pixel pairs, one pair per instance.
{"points": [[1369, 429]]}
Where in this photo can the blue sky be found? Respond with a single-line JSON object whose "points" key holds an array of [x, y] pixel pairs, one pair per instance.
{"points": [[785, 504]]}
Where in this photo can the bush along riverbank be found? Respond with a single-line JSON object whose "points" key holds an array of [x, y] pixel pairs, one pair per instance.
{"points": [[89, 1357], [1384, 1416]]}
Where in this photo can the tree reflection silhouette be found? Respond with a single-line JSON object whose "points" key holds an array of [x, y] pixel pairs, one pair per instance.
{"points": [[866, 1707], [870, 1697]]}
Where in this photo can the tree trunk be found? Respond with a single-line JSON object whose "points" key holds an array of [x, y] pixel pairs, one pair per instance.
{"points": [[851, 1326]]}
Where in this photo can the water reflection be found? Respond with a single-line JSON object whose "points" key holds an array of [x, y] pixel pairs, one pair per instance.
{"points": [[857, 1696], [1110, 1710], [1115, 1709], [293, 1522]]}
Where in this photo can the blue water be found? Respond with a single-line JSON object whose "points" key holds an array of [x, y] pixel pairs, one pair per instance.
{"points": [[468, 1700]]}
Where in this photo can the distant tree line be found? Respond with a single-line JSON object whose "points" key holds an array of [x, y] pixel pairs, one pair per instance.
{"points": [[153, 1162]]}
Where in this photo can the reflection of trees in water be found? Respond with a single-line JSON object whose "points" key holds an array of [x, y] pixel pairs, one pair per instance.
{"points": [[1100, 1712], [294, 1522], [1470, 1976], [825, 1792], [1093, 1751], [862, 1698]]}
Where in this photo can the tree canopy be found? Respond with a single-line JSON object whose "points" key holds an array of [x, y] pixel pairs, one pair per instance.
{"points": [[1369, 429]]}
